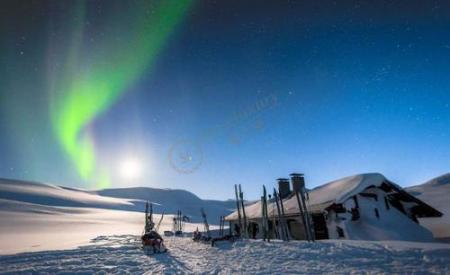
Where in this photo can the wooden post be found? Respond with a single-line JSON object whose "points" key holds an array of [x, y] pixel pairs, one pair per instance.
{"points": [[307, 216], [266, 215], [238, 208], [281, 230], [146, 217], [288, 235], [263, 224], [244, 227], [302, 214]]}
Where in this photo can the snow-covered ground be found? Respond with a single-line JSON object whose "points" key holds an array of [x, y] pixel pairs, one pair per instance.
{"points": [[29, 227], [36, 216], [122, 254]]}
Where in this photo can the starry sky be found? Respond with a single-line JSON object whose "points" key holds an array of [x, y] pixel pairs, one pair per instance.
{"points": [[203, 95]]}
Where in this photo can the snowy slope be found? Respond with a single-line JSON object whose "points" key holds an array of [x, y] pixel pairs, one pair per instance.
{"points": [[33, 227], [29, 227], [171, 200], [130, 199], [36, 216], [436, 193], [47, 194], [121, 254]]}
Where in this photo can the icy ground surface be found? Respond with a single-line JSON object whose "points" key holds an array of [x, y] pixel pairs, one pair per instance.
{"points": [[122, 254]]}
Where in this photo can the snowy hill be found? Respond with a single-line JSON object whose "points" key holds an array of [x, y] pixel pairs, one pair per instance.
{"points": [[51, 195], [436, 192], [37, 216], [129, 199], [170, 200]]}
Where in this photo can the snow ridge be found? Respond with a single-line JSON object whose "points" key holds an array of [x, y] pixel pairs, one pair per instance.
{"points": [[129, 199]]}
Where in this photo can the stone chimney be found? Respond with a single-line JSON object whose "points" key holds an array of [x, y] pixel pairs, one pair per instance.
{"points": [[283, 188], [298, 182]]}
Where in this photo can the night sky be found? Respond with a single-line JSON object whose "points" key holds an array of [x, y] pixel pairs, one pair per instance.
{"points": [[204, 95]]}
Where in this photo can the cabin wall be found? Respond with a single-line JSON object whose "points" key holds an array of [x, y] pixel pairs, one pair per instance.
{"points": [[295, 226], [334, 222], [254, 229]]}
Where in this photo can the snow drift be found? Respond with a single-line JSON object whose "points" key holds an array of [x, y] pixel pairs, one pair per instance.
{"points": [[436, 192]]}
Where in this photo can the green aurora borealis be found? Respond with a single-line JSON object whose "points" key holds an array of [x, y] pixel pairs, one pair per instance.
{"points": [[89, 85]]}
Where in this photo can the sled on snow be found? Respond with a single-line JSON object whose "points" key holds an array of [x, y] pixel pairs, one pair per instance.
{"points": [[152, 242]]}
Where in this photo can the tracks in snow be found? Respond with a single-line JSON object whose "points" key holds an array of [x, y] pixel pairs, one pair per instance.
{"points": [[123, 254]]}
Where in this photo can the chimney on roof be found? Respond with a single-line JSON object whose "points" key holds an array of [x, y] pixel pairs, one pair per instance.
{"points": [[298, 182], [283, 187]]}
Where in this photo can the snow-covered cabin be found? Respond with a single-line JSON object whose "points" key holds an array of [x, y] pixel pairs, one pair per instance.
{"points": [[361, 207]]}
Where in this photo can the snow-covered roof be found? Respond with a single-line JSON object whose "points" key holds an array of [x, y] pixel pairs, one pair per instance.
{"points": [[336, 191], [322, 196]]}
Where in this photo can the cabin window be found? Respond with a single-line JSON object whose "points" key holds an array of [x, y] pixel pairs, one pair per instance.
{"points": [[355, 199], [377, 214], [340, 232], [253, 230], [355, 214], [320, 226], [270, 225], [386, 202], [397, 204]]}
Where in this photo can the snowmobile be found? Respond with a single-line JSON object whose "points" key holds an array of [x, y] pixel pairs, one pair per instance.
{"points": [[152, 242]]}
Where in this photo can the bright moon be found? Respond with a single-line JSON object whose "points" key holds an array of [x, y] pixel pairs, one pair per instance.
{"points": [[130, 168]]}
